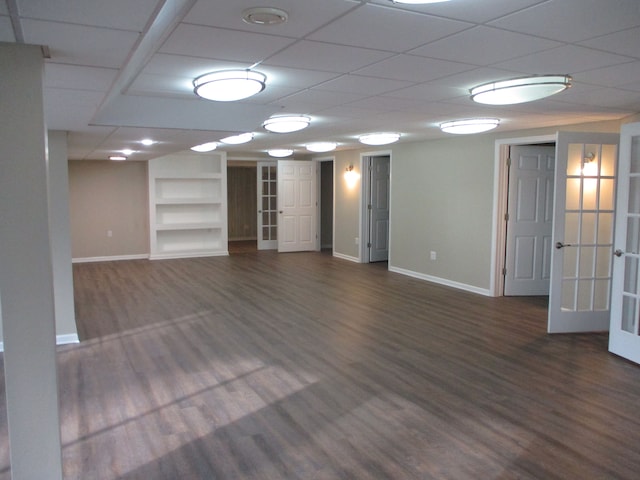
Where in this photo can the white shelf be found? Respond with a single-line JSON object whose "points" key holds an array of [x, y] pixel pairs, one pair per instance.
{"points": [[188, 226], [188, 201], [188, 205]]}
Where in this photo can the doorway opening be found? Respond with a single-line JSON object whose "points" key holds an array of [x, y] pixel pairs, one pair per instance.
{"points": [[325, 205], [241, 207], [501, 206]]}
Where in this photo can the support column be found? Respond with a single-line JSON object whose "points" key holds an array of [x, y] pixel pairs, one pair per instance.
{"points": [[26, 278]]}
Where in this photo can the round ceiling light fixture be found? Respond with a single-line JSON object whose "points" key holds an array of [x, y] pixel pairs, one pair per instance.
{"points": [[264, 16], [520, 90], [205, 147], [320, 147], [379, 138], [286, 123], [470, 125], [238, 139], [280, 152], [229, 85]]}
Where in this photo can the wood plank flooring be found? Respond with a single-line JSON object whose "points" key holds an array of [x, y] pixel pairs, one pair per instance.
{"points": [[303, 366]]}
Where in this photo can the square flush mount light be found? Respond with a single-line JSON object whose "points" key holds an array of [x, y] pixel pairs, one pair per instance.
{"points": [[286, 123], [379, 138], [471, 125], [520, 90], [229, 85]]}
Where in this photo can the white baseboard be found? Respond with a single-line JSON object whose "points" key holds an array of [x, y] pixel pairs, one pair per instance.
{"points": [[442, 281], [346, 257], [60, 340], [142, 256]]}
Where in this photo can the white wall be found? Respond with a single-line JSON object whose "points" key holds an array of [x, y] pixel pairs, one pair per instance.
{"points": [[66, 331], [26, 272]]}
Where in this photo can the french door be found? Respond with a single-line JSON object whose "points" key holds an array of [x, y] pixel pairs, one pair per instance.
{"points": [[581, 264], [624, 334], [267, 205]]}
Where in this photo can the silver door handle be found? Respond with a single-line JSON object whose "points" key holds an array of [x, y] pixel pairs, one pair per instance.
{"points": [[618, 253], [560, 245]]}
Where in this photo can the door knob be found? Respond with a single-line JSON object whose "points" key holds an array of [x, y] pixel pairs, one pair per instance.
{"points": [[618, 253], [280, 211], [560, 245]]}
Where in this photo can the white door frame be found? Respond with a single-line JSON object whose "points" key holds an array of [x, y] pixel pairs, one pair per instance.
{"points": [[318, 161], [365, 187], [500, 194]]}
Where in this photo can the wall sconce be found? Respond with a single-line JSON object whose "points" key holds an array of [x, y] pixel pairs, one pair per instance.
{"points": [[589, 166], [351, 177]]}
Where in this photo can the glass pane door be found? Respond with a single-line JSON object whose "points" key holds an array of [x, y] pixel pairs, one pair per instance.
{"points": [[624, 338], [583, 232], [267, 206]]}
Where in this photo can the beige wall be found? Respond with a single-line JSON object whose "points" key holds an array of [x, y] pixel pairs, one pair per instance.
{"points": [[441, 201], [347, 206], [107, 196]]}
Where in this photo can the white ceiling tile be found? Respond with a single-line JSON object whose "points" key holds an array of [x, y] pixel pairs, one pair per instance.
{"points": [[99, 14], [78, 77], [607, 97], [612, 76], [468, 79], [295, 78], [80, 45], [326, 57], [626, 42], [359, 84], [304, 17], [66, 109], [469, 10], [218, 43], [321, 98], [186, 66], [568, 59], [413, 68], [150, 84], [484, 46], [429, 92], [6, 30], [574, 20], [379, 27]]}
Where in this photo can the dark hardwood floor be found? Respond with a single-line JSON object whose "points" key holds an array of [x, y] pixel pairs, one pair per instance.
{"points": [[302, 366]]}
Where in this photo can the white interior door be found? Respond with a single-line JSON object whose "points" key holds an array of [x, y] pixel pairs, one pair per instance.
{"points": [[379, 182], [624, 337], [297, 206], [585, 177], [267, 179], [530, 215]]}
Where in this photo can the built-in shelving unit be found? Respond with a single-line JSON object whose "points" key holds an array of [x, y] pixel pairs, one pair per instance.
{"points": [[188, 205]]}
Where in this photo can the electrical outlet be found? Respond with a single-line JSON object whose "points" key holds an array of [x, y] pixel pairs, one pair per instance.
{"points": [[109, 233], [357, 241], [433, 255]]}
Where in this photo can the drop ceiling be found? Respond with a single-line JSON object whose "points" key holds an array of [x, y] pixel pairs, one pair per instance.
{"points": [[120, 71]]}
